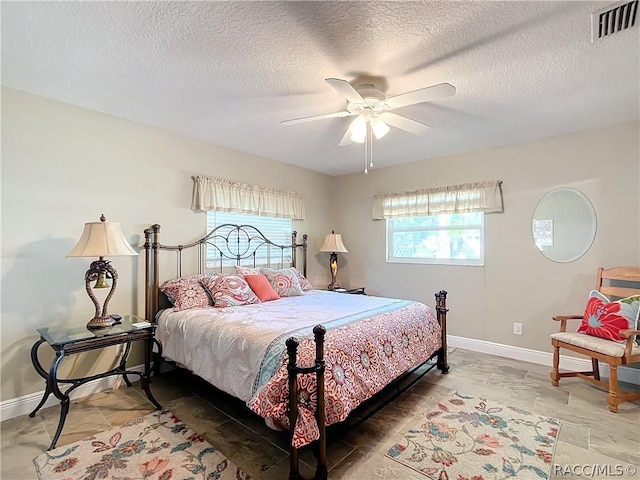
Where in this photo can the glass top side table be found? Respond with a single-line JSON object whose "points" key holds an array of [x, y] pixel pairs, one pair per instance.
{"points": [[68, 340]]}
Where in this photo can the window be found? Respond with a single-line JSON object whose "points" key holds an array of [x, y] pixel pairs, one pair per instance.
{"points": [[278, 230], [446, 239]]}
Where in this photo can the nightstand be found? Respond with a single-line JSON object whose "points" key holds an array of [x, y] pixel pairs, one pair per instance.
{"points": [[67, 341], [354, 291]]}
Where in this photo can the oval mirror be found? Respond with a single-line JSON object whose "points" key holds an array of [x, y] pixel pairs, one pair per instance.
{"points": [[564, 225]]}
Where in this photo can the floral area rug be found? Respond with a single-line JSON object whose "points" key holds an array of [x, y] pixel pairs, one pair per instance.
{"points": [[468, 438], [157, 446]]}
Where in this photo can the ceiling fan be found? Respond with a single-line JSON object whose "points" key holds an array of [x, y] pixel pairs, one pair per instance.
{"points": [[372, 109]]}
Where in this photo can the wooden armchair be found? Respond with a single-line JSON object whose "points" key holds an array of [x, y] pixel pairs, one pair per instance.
{"points": [[618, 282]]}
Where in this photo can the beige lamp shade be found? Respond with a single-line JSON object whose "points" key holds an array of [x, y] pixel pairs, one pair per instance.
{"points": [[333, 243], [102, 239]]}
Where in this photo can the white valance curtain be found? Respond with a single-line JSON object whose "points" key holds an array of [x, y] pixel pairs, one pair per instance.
{"points": [[210, 193], [467, 197]]}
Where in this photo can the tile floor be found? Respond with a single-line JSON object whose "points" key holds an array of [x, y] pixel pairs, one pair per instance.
{"points": [[590, 434]]}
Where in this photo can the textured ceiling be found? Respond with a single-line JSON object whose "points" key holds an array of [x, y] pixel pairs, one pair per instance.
{"points": [[229, 72]]}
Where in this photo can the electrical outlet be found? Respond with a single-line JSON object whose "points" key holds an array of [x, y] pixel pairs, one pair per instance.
{"points": [[517, 329]]}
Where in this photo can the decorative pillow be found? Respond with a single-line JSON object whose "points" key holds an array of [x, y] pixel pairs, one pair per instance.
{"points": [[284, 281], [187, 292], [246, 270], [304, 283], [603, 318], [261, 287], [230, 291]]}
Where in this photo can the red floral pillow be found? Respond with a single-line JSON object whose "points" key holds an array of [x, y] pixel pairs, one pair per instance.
{"points": [[230, 291], [603, 318], [187, 292]]}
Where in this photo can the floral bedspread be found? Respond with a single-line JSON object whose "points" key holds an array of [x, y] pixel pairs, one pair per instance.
{"points": [[361, 358]]}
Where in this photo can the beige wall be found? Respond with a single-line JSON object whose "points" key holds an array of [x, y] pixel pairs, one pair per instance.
{"points": [[517, 283], [63, 166]]}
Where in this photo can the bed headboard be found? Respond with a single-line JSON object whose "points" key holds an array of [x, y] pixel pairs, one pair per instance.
{"points": [[233, 244]]}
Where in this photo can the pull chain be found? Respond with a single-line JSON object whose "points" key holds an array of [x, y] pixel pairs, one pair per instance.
{"points": [[366, 170], [368, 149]]}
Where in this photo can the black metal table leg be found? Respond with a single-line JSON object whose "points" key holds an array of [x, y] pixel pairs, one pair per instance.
{"points": [[123, 364], [63, 397], [157, 358], [145, 378], [42, 372]]}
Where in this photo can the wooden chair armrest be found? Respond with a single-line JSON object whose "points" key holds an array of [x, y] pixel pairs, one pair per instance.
{"points": [[559, 318], [563, 320], [630, 335]]}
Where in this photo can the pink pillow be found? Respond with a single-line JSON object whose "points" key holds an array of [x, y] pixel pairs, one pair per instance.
{"points": [[230, 291], [304, 283], [187, 292], [261, 287]]}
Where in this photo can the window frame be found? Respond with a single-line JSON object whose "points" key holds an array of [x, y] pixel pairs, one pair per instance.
{"points": [[390, 230]]}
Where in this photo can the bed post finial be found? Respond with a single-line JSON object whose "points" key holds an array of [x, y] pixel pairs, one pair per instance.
{"points": [[441, 315]]}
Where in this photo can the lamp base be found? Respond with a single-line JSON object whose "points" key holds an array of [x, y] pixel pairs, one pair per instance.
{"points": [[100, 322], [333, 266]]}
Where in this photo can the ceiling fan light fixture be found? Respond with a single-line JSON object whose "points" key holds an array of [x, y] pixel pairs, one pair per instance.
{"points": [[380, 129], [358, 129], [371, 108]]}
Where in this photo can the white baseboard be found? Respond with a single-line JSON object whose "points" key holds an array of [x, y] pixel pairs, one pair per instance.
{"points": [[625, 374], [14, 407]]}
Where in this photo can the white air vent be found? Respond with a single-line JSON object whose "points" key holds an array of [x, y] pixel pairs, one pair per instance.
{"points": [[613, 19]]}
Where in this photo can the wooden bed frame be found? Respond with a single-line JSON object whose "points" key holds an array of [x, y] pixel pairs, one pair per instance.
{"points": [[239, 243]]}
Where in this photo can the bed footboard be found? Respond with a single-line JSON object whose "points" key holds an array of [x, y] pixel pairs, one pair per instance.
{"points": [[294, 370], [318, 368]]}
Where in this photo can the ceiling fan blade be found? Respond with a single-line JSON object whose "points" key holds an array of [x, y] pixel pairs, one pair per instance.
{"points": [[404, 123], [345, 89], [293, 121], [426, 94]]}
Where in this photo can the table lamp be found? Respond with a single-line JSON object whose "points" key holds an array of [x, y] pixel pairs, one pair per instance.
{"points": [[101, 239], [333, 244]]}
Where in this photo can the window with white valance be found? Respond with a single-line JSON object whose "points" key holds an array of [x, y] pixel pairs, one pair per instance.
{"points": [[465, 198], [210, 193], [443, 225]]}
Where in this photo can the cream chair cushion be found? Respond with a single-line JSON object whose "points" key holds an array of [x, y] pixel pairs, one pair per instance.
{"points": [[596, 344]]}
